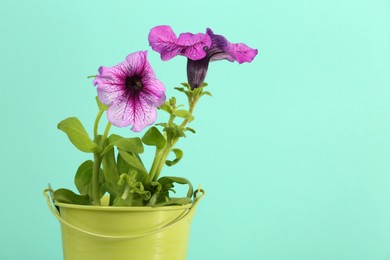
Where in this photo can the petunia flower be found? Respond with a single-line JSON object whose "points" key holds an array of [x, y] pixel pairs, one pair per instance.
{"points": [[131, 91], [200, 49]]}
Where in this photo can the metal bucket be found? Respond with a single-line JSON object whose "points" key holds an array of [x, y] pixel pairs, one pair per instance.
{"points": [[120, 233]]}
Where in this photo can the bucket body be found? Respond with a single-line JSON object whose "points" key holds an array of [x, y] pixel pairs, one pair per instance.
{"points": [[121, 233]]}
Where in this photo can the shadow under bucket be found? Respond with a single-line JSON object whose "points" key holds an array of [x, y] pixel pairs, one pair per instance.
{"points": [[121, 233]]}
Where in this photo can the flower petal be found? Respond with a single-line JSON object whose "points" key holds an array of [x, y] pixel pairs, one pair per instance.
{"points": [[194, 46], [241, 52], [136, 111], [221, 48], [136, 63], [163, 40], [141, 124], [107, 96], [156, 91], [108, 83]]}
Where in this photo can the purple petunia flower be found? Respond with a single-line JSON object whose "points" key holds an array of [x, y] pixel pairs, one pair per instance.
{"points": [[199, 48], [131, 91]]}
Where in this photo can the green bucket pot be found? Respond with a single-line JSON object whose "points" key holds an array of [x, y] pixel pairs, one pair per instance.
{"points": [[121, 233]]}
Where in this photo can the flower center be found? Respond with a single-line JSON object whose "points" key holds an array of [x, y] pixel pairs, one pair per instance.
{"points": [[134, 83]]}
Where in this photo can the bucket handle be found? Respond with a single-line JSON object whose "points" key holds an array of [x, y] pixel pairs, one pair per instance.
{"points": [[48, 194]]}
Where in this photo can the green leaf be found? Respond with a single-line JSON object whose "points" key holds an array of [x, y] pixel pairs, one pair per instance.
{"points": [[144, 178], [153, 137], [100, 104], [78, 135], [170, 180], [186, 85], [133, 145], [110, 172], [122, 165], [133, 191], [83, 178], [172, 101], [162, 124], [166, 107], [183, 114], [173, 130], [132, 160], [178, 153], [208, 93], [180, 89], [190, 129], [68, 196], [125, 167], [130, 145]]}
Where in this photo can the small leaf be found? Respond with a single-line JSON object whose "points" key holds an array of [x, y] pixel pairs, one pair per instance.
{"points": [[132, 160], [166, 107], [169, 180], [133, 145], [68, 196], [190, 129], [180, 89], [122, 165], [183, 114], [173, 130], [157, 186], [133, 191], [130, 145], [153, 137], [83, 178], [78, 135], [186, 85], [208, 93], [172, 101], [178, 153], [162, 124], [110, 173]]}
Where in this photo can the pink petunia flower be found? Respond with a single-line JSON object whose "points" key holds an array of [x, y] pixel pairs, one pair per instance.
{"points": [[199, 48], [131, 91]]}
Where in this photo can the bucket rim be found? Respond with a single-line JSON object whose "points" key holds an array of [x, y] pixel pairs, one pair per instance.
{"points": [[187, 213], [122, 208]]}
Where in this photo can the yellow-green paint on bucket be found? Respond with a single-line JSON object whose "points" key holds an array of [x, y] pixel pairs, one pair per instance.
{"points": [[121, 233]]}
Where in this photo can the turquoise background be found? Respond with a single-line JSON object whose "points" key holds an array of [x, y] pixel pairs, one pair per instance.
{"points": [[292, 149]]}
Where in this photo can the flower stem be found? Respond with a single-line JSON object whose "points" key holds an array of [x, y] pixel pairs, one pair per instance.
{"points": [[105, 134], [185, 122], [126, 192], [162, 154], [97, 160], [155, 164], [160, 159], [96, 125]]}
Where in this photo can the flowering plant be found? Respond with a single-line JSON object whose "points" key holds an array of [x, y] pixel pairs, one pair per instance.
{"points": [[129, 93]]}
